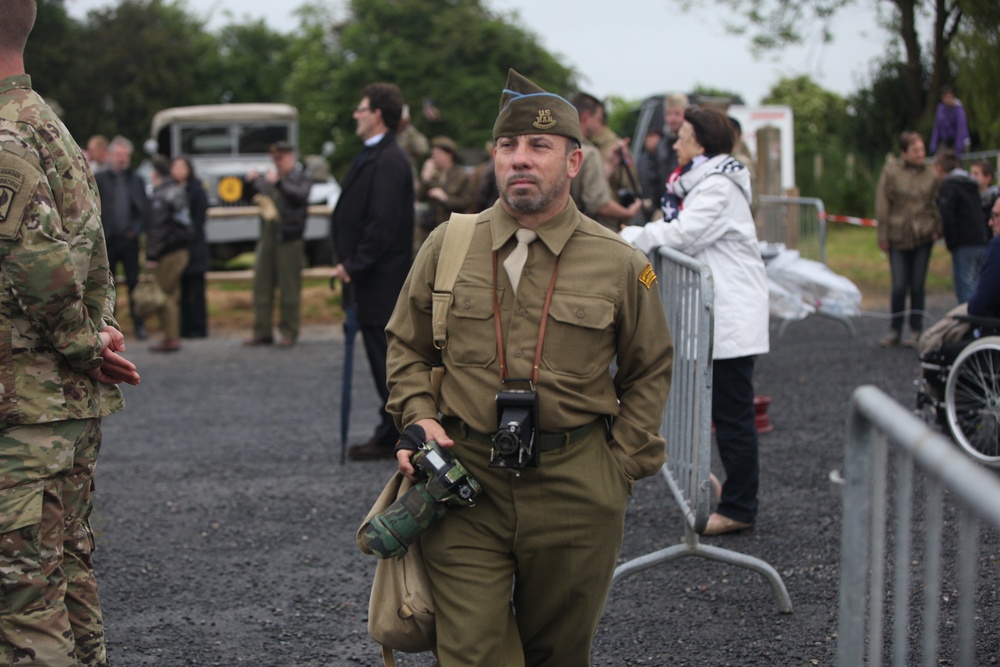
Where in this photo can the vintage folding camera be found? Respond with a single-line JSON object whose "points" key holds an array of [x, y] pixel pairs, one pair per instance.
{"points": [[514, 443]]}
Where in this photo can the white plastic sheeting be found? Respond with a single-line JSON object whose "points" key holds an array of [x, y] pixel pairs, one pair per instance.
{"points": [[801, 287]]}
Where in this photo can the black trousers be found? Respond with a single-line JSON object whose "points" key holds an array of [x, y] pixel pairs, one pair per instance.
{"points": [[736, 436], [376, 348], [126, 250], [194, 308]]}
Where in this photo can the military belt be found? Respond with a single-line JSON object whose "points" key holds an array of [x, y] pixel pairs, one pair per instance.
{"points": [[546, 441]]}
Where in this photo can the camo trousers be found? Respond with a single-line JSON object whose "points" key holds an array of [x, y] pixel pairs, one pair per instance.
{"points": [[49, 612]]}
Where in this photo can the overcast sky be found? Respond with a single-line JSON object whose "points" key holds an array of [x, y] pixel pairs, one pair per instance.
{"points": [[635, 48]]}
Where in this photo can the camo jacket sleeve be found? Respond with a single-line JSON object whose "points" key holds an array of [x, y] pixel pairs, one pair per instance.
{"points": [[57, 291]]}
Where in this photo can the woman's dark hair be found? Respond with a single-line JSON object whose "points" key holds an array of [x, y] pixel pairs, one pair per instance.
{"points": [[387, 98], [186, 160], [712, 130], [907, 138]]}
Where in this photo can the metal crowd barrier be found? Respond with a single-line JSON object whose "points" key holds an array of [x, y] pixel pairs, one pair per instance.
{"points": [[882, 505], [798, 222], [688, 295]]}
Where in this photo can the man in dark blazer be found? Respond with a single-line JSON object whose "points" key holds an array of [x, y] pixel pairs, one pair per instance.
{"points": [[373, 237], [124, 209]]}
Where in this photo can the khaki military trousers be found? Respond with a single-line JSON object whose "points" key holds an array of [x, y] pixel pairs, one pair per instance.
{"points": [[50, 615], [278, 265], [521, 578]]}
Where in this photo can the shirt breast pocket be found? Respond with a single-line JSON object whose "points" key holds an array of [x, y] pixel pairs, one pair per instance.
{"points": [[579, 334], [471, 331]]}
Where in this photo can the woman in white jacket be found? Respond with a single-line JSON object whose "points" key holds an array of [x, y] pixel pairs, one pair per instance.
{"points": [[707, 215]]}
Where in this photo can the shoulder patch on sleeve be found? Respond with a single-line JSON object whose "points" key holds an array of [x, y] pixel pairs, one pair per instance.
{"points": [[18, 179], [647, 277]]}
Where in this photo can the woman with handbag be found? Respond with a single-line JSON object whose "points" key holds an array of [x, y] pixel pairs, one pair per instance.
{"points": [[170, 232]]}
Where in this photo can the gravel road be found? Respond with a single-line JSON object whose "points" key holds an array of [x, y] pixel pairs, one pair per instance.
{"points": [[225, 521]]}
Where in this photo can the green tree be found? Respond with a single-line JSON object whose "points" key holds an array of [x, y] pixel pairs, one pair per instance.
{"points": [[454, 52], [253, 63], [825, 166], [774, 24], [979, 77], [136, 58], [52, 52]]}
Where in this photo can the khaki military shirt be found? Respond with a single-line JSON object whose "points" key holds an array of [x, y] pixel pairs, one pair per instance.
{"points": [[55, 282], [590, 189], [457, 184], [605, 306]]}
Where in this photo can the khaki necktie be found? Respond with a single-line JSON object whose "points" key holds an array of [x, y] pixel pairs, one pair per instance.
{"points": [[514, 263]]}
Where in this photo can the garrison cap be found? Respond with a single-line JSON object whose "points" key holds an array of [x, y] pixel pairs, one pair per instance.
{"points": [[527, 109], [445, 143], [282, 147]]}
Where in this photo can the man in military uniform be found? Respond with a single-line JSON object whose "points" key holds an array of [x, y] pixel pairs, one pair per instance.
{"points": [[445, 185], [591, 189], [59, 365], [541, 541], [281, 251]]}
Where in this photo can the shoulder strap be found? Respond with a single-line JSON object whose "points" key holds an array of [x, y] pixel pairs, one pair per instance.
{"points": [[457, 239]]}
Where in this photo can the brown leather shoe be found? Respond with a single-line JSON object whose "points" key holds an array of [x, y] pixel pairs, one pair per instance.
{"points": [[254, 342], [718, 525], [286, 342], [166, 346], [370, 451]]}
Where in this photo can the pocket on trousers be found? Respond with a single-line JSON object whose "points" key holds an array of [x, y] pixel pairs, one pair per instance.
{"points": [[21, 506]]}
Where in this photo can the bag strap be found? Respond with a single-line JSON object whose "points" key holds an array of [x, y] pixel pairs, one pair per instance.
{"points": [[457, 239], [388, 659]]}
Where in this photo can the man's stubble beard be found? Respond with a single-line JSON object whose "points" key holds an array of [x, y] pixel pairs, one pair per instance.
{"points": [[528, 203]]}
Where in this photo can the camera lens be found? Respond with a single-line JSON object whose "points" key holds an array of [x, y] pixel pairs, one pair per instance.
{"points": [[508, 440]]}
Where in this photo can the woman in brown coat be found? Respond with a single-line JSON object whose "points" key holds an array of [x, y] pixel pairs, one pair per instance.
{"points": [[908, 225]]}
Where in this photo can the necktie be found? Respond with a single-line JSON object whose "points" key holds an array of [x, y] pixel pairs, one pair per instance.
{"points": [[514, 263]]}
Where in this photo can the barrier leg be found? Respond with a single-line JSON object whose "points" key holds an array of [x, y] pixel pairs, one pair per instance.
{"points": [[692, 547]]}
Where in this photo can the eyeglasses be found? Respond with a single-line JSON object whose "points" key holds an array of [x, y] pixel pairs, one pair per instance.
{"points": [[363, 109]]}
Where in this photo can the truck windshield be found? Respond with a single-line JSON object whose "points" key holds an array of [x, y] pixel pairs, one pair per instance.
{"points": [[249, 139]]}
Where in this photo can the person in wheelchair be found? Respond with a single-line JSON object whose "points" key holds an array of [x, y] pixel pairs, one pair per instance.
{"points": [[960, 362]]}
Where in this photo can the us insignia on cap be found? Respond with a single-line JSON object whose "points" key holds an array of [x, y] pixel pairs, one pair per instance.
{"points": [[647, 277], [544, 120]]}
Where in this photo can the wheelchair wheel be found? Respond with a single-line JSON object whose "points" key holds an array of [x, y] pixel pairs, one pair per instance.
{"points": [[972, 400]]}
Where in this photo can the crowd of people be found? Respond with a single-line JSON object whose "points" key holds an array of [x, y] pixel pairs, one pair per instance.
{"points": [[919, 202], [571, 331]]}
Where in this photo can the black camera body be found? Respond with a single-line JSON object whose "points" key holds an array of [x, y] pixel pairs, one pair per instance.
{"points": [[514, 443], [626, 197], [447, 479]]}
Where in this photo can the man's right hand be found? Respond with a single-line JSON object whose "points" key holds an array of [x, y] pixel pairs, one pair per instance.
{"points": [[433, 431], [114, 368]]}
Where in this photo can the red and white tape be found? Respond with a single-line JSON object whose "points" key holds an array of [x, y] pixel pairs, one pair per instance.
{"points": [[851, 220]]}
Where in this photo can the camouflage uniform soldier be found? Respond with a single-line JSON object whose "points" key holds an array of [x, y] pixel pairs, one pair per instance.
{"points": [[59, 365]]}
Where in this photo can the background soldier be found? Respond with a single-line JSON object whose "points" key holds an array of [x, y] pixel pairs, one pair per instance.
{"points": [[57, 320]]}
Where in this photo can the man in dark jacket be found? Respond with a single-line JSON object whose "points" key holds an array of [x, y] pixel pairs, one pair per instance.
{"points": [[373, 237], [961, 218], [282, 194], [124, 209]]}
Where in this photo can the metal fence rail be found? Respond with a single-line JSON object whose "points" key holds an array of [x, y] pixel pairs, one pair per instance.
{"points": [[880, 505], [687, 295], [798, 222]]}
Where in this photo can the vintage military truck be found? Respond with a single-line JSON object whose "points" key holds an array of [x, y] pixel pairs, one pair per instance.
{"points": [[224, 142]]}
